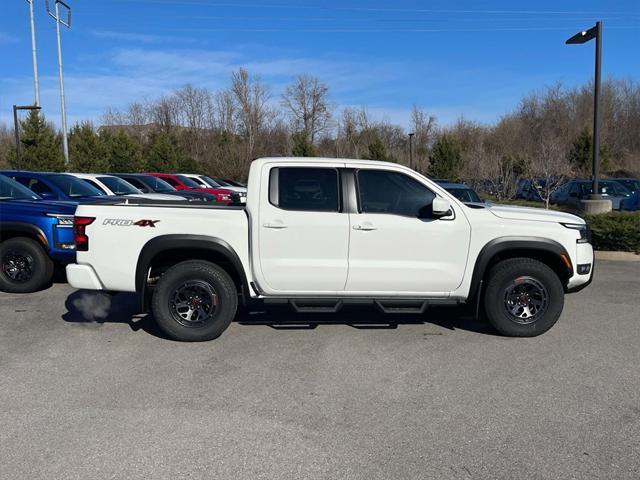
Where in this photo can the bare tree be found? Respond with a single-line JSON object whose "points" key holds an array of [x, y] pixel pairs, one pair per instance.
{"points": [[306, 101], [423, 126], [225, 111], [252, 109]]}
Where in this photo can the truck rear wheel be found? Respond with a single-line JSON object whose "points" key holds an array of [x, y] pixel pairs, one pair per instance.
{"points": [[194, 301], [24, 266], [523, 298]]}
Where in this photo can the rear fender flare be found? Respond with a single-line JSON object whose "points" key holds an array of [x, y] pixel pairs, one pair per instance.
{"points": [[165, 243]]}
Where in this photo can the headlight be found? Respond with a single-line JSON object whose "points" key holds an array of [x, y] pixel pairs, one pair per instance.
{"points": [[63, 220], [585, 233]]}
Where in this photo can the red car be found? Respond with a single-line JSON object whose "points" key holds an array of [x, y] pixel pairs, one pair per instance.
{"points": [[180, 182]]}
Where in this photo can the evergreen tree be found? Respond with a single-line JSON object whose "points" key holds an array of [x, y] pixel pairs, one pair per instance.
{"points": [[123, 153], [41, 147], [302, 147], [163, 154], [377, 151], [445, 160], [87, 152], [580, 154], [188, 164]]}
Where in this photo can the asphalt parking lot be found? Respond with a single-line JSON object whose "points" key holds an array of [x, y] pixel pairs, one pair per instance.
{"points": [[276, 397]]}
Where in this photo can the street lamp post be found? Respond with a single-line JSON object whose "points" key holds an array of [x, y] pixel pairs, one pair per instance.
{"points": [[411, 150], [67, 23], [17, 129], [34, 56], [580, 38]]}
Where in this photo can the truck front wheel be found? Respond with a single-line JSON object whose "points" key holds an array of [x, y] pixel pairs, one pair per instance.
{"points": [[194, 301], [24, 266], [523, 298]]}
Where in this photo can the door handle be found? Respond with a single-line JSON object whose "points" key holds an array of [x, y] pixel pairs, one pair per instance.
{"points": [[364, 228], [276, 226]]}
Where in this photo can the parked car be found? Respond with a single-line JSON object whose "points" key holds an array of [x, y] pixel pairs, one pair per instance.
{"points": [[462, 192], [633, 185], [530, 189], [183, 183], [149, 184], [227, 184], [35, 234], [56, 186], [208, 182], [322, 233], [234, 183], [574, 191], [112, 185]]}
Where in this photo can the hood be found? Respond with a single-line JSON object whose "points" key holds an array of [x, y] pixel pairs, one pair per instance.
{"points": [[40, 206], [235, 189], [510, 212], [154, 196]]}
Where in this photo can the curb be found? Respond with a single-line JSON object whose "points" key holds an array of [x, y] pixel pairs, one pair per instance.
{"points": [[617, 256]]}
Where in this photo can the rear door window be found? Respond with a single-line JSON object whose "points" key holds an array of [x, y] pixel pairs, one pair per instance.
{"points": [[305, 189]]}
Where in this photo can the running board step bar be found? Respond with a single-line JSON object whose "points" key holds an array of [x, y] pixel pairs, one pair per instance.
{"points": [[385, 305]]}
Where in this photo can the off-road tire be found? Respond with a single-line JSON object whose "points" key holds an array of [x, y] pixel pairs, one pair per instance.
{"points": [[518, 273], [205, 281], [29, 253]]}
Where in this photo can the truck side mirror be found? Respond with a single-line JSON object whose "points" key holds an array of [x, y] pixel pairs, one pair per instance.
{"points": [[48, 196], [441, 207]]}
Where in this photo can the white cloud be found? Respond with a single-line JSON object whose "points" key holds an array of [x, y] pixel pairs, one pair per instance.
{"points": [[6, 38], [123, 75]]}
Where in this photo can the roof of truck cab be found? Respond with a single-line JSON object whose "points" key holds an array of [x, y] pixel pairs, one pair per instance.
{"points": [[321, 160]]}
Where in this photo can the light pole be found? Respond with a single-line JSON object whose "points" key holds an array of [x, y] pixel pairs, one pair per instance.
{"points": [[579, 38], [66, 23], [411, 150], [17, 129], [34, 56]]}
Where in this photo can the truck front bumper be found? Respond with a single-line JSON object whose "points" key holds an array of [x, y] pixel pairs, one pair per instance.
{"points": [[584, 258], [83, 276]]}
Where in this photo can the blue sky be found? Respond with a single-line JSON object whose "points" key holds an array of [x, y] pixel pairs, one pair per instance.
{"points": [[453, 58]]}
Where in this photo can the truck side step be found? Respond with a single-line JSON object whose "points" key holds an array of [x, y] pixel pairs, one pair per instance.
{"points": [[316, 305], [402, 306]]}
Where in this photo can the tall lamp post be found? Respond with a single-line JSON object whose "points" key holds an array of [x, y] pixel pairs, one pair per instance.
{"points": [[580, 38], [16, 127], [67, 23], [34, 55], [411, 150]]}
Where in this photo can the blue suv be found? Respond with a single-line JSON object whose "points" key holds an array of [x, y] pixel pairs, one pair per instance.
{"points": [[35, 234], [56, 186]]}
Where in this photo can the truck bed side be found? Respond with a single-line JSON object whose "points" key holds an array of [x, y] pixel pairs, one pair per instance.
{"points": [[124, 229]]}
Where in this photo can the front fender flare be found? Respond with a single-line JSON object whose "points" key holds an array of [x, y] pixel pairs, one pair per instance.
{"points": [[505, 244]]}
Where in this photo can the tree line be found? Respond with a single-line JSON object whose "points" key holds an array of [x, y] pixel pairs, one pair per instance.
{"points": [[547, 135]]}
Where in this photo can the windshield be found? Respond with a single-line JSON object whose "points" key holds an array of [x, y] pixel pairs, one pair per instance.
{"points": [[188, 182], [224, 183], [633, 185], [74, 187], [211, 181], [157, 184], [466, 195], [607, 188], [118, 186], [10, 189]]}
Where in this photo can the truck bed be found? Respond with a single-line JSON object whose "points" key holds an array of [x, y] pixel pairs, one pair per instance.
{"points": [[122, 228]]}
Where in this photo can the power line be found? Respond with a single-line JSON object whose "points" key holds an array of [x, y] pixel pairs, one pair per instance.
{"points": [[376, 9], [408, 30]]}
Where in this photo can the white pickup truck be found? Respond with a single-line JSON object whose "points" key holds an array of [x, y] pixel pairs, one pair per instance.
{"points": [[320, 233]]}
